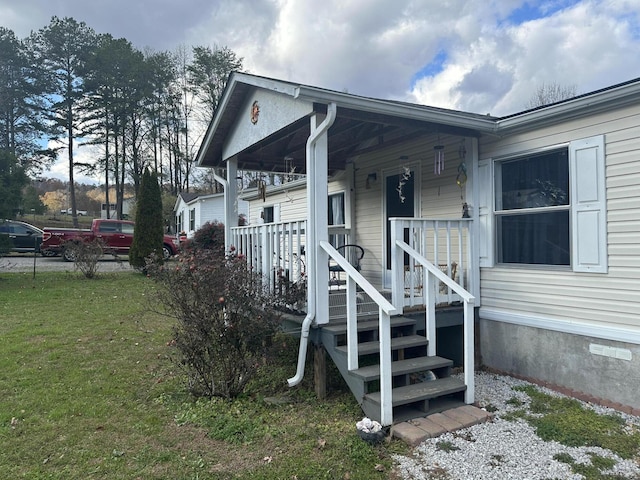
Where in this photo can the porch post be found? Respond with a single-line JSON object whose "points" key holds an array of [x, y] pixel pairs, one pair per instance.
{"points": [[318, 205], [230, 201], [397, 266], [473, 192]]}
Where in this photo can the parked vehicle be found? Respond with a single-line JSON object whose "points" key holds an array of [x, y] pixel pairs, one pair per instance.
{"points": [[68, 211], [117, 236], [23, 237]]}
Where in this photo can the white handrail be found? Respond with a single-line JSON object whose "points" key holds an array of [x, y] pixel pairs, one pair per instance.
{"points": [[468, 323], [456, 287], [385, 310]]}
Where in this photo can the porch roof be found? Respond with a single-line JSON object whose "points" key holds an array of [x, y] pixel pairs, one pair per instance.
{"points": [[362, 124]]}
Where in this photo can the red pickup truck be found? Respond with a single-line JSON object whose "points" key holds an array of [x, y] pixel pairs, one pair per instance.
{"points": [[117, 236]]}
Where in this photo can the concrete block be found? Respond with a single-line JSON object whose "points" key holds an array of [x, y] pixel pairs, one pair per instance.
{"points": [[461, 417], [447, 423], [408, 433], [432, 428], [481, 415]]}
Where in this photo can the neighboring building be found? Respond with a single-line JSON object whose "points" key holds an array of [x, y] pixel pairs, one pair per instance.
{"points": [[537, 210], [127, 205], [193, 210]]}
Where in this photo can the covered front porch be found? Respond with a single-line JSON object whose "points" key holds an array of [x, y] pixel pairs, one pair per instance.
{"points": [[354, 319], [357, 299]]}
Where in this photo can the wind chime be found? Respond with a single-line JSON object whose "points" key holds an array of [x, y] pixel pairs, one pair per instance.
{"points": [[404, 178], [438, 166], [461, 178]]}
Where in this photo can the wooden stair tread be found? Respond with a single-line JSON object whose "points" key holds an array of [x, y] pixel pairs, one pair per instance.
{"points": [[421, 391], [396, 344], [368, 324], [399, 367]]}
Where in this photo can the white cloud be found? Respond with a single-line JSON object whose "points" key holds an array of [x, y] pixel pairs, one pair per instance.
{"points": [[591, 45], [85, 154], [485, 56]]}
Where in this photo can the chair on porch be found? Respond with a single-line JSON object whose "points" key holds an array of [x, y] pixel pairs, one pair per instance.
{"points": [[353, 253]]}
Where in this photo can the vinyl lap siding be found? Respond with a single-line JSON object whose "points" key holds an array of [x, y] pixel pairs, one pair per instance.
{"points": [[439, 194], [611, 299]]}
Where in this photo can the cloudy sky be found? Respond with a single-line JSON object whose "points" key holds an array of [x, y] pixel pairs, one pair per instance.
{"points": [[482, 56]]}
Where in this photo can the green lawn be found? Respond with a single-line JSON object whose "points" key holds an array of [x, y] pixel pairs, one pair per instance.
{"points": [[87, 390]]}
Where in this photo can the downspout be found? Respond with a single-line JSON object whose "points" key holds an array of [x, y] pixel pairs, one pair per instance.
{"points": [[311, 279], [227, 223]]}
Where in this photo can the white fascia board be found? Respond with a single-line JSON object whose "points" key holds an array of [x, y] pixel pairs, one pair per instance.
{"points": [[616, 97], [201, 198], [274, 85], [408, 111], [295, 185], [238, 77], [607, 332]]}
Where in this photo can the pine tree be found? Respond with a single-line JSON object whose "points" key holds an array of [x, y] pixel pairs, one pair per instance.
{"points": [[148, 232]]}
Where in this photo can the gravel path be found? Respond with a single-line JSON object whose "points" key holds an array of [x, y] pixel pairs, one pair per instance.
{"points": [[504, 449]]}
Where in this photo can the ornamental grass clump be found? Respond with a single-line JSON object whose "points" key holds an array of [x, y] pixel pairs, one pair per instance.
{"points": [[225, 320]]}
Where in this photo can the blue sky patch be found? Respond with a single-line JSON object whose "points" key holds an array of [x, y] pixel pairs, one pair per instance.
{"points": [[534, 10], [432, 68]]}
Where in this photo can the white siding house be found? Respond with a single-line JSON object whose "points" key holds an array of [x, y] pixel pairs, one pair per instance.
{"points": [[529, 222], [193, 210]]}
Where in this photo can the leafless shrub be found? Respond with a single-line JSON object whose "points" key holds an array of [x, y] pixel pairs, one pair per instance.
{"points": [[86, 256], [225, 319]]}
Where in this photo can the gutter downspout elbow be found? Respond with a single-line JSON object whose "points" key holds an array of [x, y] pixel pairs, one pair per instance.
{"points": [[302, 352], [311, 286]]}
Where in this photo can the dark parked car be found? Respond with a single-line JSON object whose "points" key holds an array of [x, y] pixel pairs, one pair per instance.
{"points": [[22, 236]]}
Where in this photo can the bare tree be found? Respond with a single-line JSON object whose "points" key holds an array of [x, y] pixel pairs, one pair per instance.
{"points": [[548, 93]]}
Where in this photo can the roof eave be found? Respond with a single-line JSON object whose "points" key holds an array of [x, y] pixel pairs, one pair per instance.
{"points": [[408, 111], [616, 97]]}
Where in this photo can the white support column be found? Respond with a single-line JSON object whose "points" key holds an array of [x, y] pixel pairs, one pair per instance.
{"points": [[473, 192], [397, 267], [230, 201], [352, 326], [469, 353], [317, 174], [386, 400]]}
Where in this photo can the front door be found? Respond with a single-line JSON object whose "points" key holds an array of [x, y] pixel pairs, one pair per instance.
{"points": [[400, 201]]}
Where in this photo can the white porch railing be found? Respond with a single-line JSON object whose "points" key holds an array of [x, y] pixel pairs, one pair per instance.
{"points": [[276, 250], [385, 311], [431, 277], [446, 243]]}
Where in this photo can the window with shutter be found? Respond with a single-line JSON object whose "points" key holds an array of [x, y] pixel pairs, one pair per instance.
{"points": [[588, 205], [549, 208]]}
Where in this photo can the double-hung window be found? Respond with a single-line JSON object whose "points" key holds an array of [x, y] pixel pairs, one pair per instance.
{"points": [[548, 208], [337, 219], [532, 209], [192, 219]]}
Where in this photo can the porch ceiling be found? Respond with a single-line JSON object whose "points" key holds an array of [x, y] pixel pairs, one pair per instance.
{"points": [[362, 125], [353, 133]]}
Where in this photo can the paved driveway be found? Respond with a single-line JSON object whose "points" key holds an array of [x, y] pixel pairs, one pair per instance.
{"points": [[24, 263]]}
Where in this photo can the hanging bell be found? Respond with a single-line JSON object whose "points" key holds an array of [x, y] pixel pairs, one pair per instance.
{"points": [[438, 167]]}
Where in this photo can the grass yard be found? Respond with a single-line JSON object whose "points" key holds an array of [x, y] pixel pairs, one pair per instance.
{"points": [[87, 390]]}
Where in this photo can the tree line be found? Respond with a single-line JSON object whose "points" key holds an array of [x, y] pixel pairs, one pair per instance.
{"points": [[66, 86]]}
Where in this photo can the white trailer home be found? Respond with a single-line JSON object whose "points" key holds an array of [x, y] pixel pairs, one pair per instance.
{"points": [[506, 242], [193, 210]]}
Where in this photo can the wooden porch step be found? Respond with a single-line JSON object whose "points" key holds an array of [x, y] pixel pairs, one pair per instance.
{"points": [[401, 367], [397, 343], [420, 391], [368, 324]]}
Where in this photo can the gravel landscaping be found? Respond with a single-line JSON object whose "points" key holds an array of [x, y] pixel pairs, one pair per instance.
{"points": [[508, 448]]}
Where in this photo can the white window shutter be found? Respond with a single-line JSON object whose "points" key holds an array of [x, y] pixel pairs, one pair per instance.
{"points": [[588, 205], [276, 212], [484, 184]]}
